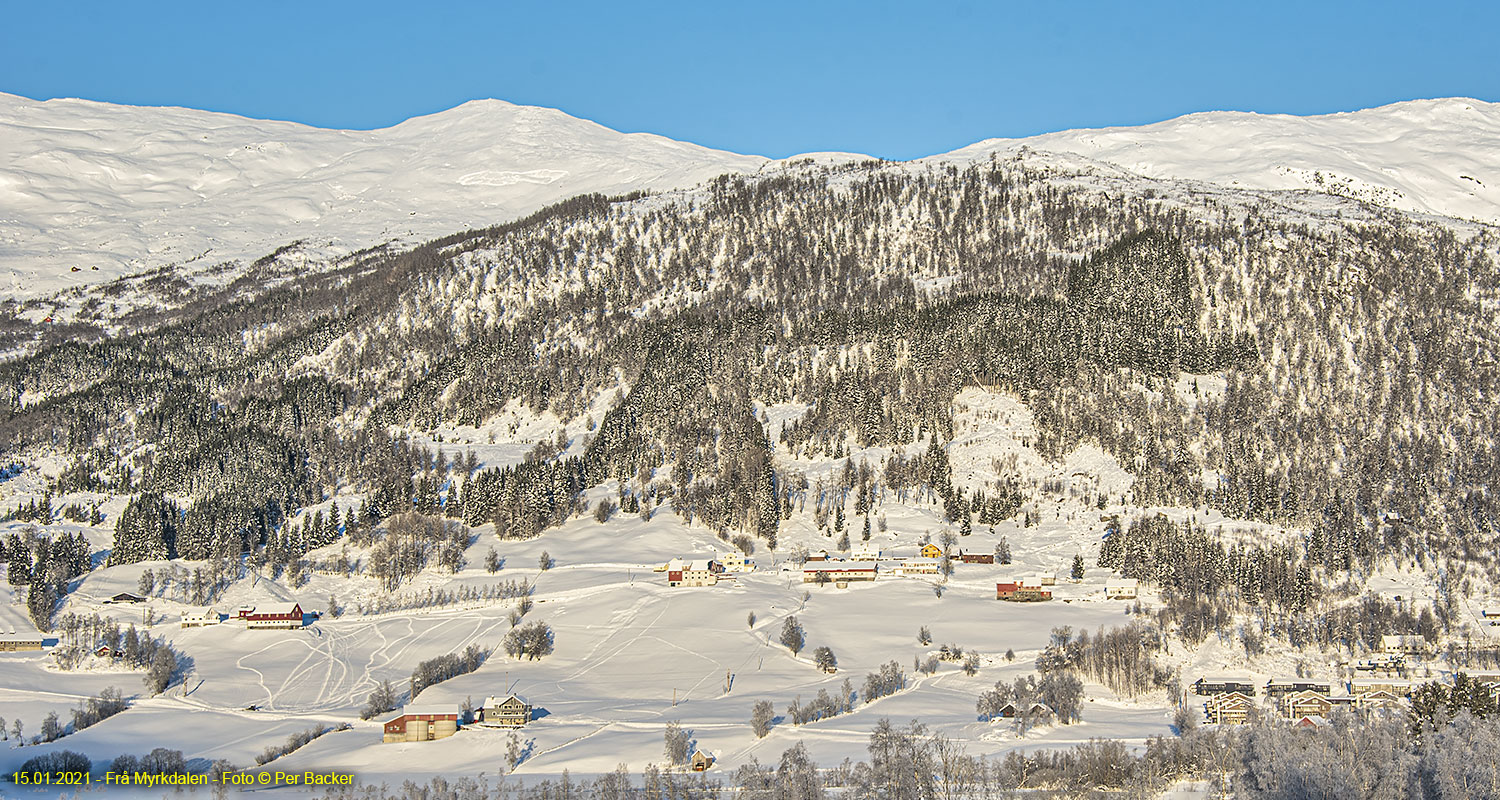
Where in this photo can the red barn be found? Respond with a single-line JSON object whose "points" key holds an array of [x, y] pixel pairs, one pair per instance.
{"points": [[976, 558], [1016, 593], [422, 723], [276, 615]]}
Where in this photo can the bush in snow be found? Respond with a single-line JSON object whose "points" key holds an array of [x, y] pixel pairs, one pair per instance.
{"points": [[381, 700], [792, 637], [530, 641], [58, 761], [762, 714], [889, 680], [449, 665], [678, 743]]}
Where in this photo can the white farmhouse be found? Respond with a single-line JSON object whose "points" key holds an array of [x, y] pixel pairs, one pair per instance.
{"points": [[1122, 589], [196, 617], [1404, 645], [919, 566], [838, 572], [735, 561], [694, 573]]}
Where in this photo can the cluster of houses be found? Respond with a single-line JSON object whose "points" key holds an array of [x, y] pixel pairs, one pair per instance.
{"points": [[1307, 702], [863, 564], [424, 722], [1030, 589], [706, 570], [278, 616]]}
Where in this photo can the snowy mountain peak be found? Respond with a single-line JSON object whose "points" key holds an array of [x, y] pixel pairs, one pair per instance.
{"points": [[125, 189], [1439, 156], [91, 191]]}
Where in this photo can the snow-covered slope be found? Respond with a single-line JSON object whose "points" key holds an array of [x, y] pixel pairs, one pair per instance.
{"points": [[1427, 156], [127, 189], [124, 188]]}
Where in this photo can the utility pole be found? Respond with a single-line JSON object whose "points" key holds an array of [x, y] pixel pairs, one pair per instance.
{"points": [[674, 695]]}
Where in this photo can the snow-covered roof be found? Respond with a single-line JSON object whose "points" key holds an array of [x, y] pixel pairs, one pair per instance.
{"points": [[839, 566], [428, 709], [1379, 682], [1245, 679], [496, 702], [13, 636], [1296, 681], [275, 608], [698, 566], [1122, 583]]}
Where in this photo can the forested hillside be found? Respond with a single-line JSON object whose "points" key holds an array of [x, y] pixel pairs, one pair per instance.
{"points": [[1351, 353]]}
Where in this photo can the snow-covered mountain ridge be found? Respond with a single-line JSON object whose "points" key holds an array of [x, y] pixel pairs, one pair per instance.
{"points": [[127, 189], [1425, 156]]}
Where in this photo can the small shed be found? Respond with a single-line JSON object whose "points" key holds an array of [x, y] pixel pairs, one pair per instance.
{"points": [[701, 761]]}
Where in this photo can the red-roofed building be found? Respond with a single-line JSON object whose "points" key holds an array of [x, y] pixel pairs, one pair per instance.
{"points": [[1017, 593], [276, 615]]}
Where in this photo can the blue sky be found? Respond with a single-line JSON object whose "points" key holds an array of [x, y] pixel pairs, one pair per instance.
{"points": [[774, 78]]}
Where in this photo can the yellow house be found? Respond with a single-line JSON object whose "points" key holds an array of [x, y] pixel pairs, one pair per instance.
{"points": [[930, 550]]}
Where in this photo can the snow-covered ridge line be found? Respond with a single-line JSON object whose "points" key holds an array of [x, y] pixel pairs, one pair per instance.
{"points": [[86, 185], [126, 189], [1439, 156]]}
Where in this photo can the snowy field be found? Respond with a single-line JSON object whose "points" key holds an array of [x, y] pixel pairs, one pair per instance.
{"points": [[631, 653]]}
